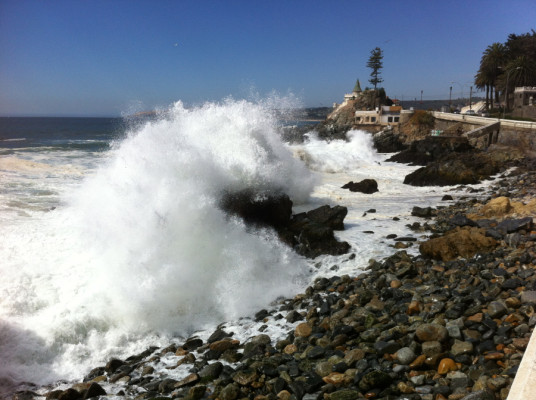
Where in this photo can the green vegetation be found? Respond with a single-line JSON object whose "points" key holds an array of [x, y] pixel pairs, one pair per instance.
{"points": [[375, 63], [505, 66], [422, 119]]}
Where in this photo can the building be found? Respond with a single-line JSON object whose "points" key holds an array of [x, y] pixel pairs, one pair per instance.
{"points": [[525, 102], [384, 115]]}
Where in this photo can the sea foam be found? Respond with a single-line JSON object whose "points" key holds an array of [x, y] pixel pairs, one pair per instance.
{"points": [[141, 250]]}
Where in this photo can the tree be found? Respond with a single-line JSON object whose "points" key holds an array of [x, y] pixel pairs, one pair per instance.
{"points": [[375, 63]]}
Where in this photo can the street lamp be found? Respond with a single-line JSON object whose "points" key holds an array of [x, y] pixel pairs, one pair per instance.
{"points": [[506, 89]]}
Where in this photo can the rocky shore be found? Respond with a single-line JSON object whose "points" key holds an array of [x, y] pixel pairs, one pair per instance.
{"points": [[450, 323]]}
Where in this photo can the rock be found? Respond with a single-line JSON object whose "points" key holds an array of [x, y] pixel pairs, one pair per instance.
{"points": [[460, 347], [431, 348], [303, 330], [211, 371], [229, 392], [310, 238], [245, 377], [388, 142], [352, 356], [405, 355], [367, 186], [528, 296], [375, 379], [332, 217], [344, 394], [454, 169], [69, 394], [197, 392], [423, 212], [480, 395], [431, 332], [431, 148], [496, 309], [113, 365], [462, 220], [190, 379], [94, 390], [264, 208], [513, 225], [446, 365], [465, 242], [335, 378]]}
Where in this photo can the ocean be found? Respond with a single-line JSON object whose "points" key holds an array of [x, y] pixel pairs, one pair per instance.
{"points": [[113, 239]]}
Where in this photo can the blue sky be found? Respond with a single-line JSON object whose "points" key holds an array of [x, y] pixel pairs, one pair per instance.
{"points": [[104, 58]]}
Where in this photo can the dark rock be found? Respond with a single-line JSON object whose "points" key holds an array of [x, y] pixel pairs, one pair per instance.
{"points": [[454, 169], [375, 379], [367, 186], [513, 225], [446, 197], [192, 344], [211, 372], [421, 152], [332, 217], [259, 316], [218, 335], [69, 394], [423, 212], [265, 208], [462, 220], [388, 142], [94, 390], [167, 385], [112, 365]]}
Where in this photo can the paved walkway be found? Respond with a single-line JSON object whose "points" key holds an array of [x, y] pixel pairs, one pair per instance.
{"points": [[524, 386]]}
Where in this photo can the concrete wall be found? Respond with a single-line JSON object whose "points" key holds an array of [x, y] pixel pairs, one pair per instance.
{"points": [[520, 134]]}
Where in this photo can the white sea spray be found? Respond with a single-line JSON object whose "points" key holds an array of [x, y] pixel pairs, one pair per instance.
{"points": [[142, 251]]}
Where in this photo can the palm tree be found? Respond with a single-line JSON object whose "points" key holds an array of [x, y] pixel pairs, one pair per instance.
{"points": [[493, 59]]}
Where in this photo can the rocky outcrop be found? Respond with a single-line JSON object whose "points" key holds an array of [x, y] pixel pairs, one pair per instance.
{"points": [[309, 234], [455, 169], [388, 142], [432, 148], [367, 186]]}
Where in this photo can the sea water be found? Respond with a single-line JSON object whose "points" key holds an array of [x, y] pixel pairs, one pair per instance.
{"points": [[113, 238]]}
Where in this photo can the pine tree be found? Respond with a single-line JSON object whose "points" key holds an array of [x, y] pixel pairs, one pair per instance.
{"points": [[375, 63]]}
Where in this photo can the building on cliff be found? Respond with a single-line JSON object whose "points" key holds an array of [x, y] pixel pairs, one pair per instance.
{"points": [[384, 116]]}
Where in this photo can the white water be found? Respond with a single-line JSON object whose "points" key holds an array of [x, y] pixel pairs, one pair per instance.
{"points": [[139, 251]]}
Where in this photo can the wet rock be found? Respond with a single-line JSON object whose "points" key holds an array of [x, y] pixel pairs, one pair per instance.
{"points": [[423, 212], [367, 186], [94, 390], [431, 332], [332, 217]]}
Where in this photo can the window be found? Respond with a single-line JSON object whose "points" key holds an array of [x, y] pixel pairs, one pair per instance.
{"points": [[372, 119], [397, 119], [389, 119]]}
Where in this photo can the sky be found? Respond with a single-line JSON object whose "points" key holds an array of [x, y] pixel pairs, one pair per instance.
{"points": [[114, 57]]}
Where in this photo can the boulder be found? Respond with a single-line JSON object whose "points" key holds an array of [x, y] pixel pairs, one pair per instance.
{"points": [[465, 242], [332, 217], [367, 186]]}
